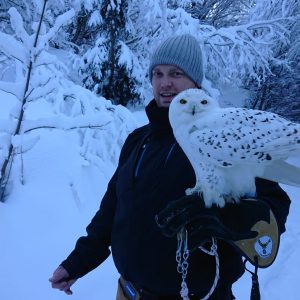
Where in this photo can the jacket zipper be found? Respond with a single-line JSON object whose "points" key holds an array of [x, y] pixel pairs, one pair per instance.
{"points": [[170, 151], [140, 160]]}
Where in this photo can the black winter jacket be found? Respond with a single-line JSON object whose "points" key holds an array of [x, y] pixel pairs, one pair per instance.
{"points": [[152, 171]]}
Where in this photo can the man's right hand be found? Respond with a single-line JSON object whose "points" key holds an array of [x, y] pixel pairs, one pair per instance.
{"points": [[61, 280]]}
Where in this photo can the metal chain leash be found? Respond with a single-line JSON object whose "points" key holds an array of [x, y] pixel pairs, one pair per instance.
{"points": [[182, 255]]}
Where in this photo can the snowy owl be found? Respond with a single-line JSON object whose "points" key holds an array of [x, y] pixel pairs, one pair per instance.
{"points": [[229, 147]]}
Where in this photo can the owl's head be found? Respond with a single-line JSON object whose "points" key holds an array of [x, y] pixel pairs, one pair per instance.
{"points": [[191, 104]]}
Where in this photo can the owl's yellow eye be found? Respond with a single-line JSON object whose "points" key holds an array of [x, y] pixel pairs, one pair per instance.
{"points": [[182, 101], [204, 102]]}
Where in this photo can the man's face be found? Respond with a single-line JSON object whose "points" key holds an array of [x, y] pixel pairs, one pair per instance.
{"points": [[167, 82]]}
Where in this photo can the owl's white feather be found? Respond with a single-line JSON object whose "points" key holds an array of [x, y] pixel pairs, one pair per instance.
{"points": [[229, 147]]}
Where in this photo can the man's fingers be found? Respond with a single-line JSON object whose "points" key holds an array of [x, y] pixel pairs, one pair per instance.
{"points": [[69, 292], [61, 280], [187, 216], [177, 207], [64, 286], [59, 284], [67, 289]]}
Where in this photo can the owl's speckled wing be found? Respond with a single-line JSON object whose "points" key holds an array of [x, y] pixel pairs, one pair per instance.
{"points": [[238, 135]]}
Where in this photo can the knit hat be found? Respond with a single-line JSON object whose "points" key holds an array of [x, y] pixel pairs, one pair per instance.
{"points": [[182, 51]]}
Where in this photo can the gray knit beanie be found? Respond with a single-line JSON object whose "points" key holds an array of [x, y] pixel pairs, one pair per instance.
{"points": [[182, 51]]}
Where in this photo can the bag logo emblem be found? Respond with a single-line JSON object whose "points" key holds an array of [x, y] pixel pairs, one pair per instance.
{"points": [[264, 246]]}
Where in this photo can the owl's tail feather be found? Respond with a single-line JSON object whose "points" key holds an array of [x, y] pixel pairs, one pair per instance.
{"points": [[283, 172]]}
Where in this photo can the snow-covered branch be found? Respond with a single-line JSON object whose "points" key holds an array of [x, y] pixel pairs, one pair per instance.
{"points": [[13, 48], [18, 26], [244, 50], [61, 20]]}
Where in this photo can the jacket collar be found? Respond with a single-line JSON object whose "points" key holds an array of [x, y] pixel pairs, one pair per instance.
{"points": [[158, 117]]}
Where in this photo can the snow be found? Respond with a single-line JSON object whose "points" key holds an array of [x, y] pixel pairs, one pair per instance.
{"points": [[18, 26], [12, 48]]}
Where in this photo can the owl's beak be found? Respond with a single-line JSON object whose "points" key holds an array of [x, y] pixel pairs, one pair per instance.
{"points": [[193, 110]]}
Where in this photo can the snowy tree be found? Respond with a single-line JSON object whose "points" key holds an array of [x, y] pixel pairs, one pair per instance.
{"points": [[25, 51], [47, 100], [281, 89], [110, 67], [218, 13]]}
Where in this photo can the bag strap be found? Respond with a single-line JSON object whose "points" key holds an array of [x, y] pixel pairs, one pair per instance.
{"points": [[255, 292]]}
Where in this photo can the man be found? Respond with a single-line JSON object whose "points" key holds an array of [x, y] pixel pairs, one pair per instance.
{"points": [[152, 174]]}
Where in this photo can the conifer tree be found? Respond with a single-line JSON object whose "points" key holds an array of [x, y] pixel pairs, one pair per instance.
{"points": [[108, 67]]}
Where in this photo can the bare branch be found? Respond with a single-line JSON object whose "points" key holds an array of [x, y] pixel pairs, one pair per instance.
{"points": [[8, 92], [71, 128]]}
